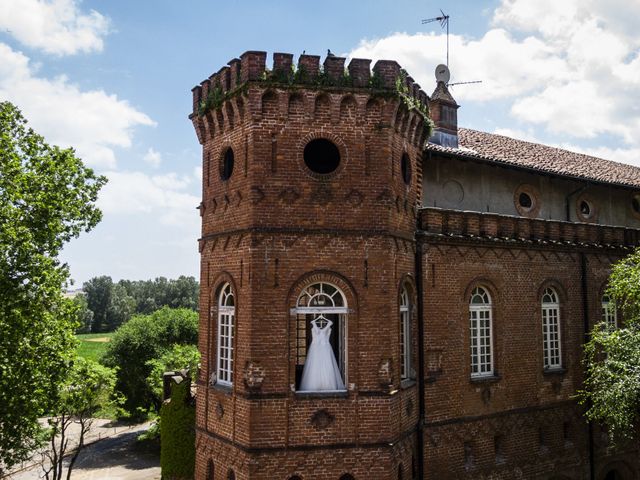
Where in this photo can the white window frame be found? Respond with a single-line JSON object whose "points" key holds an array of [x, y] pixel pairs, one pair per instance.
{"points": [[337, 304], [405, 335], [226, 330], [480, 342], [609, 312], [551, 330]]}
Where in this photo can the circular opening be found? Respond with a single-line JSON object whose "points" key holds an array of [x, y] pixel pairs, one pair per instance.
{"points": [[635, 203], [525, 201], [321, 156], [585, 208], [226, 164], [405, 166]]}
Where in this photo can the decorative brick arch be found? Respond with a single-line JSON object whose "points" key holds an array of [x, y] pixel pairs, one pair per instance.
{"points": [[326, 276], [620, 467]]}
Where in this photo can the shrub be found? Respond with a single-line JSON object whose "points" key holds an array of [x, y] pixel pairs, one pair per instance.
{"points": [[178, 357], [141, 339]]}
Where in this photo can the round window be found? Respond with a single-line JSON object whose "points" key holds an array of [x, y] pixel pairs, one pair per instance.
{"points": [[321, 156], [525, 200], [405, 167], [586, 209], [226, 164]]}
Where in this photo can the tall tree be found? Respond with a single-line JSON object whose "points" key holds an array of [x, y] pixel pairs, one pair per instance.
{"points": [[611, 389], [98, 293], [47, 197]]}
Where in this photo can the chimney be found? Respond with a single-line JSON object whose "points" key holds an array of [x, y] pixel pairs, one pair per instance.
{"points": [[444, 111]]}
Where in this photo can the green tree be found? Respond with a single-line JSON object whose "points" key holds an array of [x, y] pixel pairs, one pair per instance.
{"points": [[88, 388], [47, 197], [177, 357], [84, 316], [121, 307], [144, 338], [98, 292], [611, 390]]}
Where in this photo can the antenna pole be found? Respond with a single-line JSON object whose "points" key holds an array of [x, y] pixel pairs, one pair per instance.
{"points": [[447, 40], [444, 22]]}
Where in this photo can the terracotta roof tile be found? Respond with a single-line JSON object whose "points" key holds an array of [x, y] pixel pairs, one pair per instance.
{"points": [[499, 149]]}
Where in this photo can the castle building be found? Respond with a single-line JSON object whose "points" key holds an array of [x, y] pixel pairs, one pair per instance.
{"points": [[449, 276]]}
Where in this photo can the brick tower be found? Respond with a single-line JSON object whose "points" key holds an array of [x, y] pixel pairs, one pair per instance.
{"points": [[311, 182]]}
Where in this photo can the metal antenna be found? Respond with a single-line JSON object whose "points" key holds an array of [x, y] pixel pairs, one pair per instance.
{"points": [[444, 22], [463, 83]]}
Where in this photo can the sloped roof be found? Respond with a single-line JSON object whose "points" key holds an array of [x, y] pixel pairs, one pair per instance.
{"points": [[518, 153]]}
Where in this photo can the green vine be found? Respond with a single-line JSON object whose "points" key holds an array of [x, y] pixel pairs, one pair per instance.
{"points": [[216, 97], [177, 433], [413, 103]]}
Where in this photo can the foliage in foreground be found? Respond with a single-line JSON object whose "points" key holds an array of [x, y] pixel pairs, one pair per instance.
{"points": [[88, 388], [47, 197], [140, 340], [178, 357], [177, 433], [611, 389]]}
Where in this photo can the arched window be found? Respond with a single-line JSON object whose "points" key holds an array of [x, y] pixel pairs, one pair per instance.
{"points": [[347, 476], [400, 472], [323, 305], [551, 346], [226, 325], [481, 337], [405, 335], [231, 475], [210, 470], [609, 312]]}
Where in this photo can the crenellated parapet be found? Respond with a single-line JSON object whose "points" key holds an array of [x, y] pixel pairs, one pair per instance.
{"points": [[223, 99], [478, 226]]}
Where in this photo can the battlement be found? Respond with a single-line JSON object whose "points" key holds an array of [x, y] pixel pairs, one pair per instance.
{"points": [[494, 227], [386, 76]]}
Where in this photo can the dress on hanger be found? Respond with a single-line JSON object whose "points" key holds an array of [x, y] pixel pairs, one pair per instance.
{"points": [[321, 370]]}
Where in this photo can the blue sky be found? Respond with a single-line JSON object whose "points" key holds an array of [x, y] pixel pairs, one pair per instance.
{"points": [[113, 80]]}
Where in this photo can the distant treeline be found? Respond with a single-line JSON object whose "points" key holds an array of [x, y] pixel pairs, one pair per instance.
{"points": [[105, 305]]}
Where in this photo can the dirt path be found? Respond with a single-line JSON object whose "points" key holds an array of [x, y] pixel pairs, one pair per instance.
{"points": [[118, 457]]}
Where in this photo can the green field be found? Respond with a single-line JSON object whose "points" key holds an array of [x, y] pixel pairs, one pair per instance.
{"points": [[93, 345]]}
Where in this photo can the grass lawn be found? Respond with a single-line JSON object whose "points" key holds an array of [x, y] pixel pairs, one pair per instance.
{"points": [[93, 345]]}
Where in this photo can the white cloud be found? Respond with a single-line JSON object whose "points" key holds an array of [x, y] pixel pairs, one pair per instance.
{"points": [[56, 26], [571, 68], [92, 121], [166, 197], [153, 158]]}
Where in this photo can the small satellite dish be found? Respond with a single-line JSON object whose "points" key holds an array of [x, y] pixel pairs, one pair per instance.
{"points": [[442, 73]]}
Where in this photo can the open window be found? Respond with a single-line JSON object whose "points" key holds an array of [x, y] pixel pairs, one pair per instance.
{"points": [[321, 316]]}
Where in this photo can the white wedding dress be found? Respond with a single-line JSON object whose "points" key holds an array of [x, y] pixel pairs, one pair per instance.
{"points": [[321, 370]]}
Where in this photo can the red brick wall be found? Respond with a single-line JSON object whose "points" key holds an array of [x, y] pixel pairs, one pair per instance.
{"points": [[273, 228]]}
